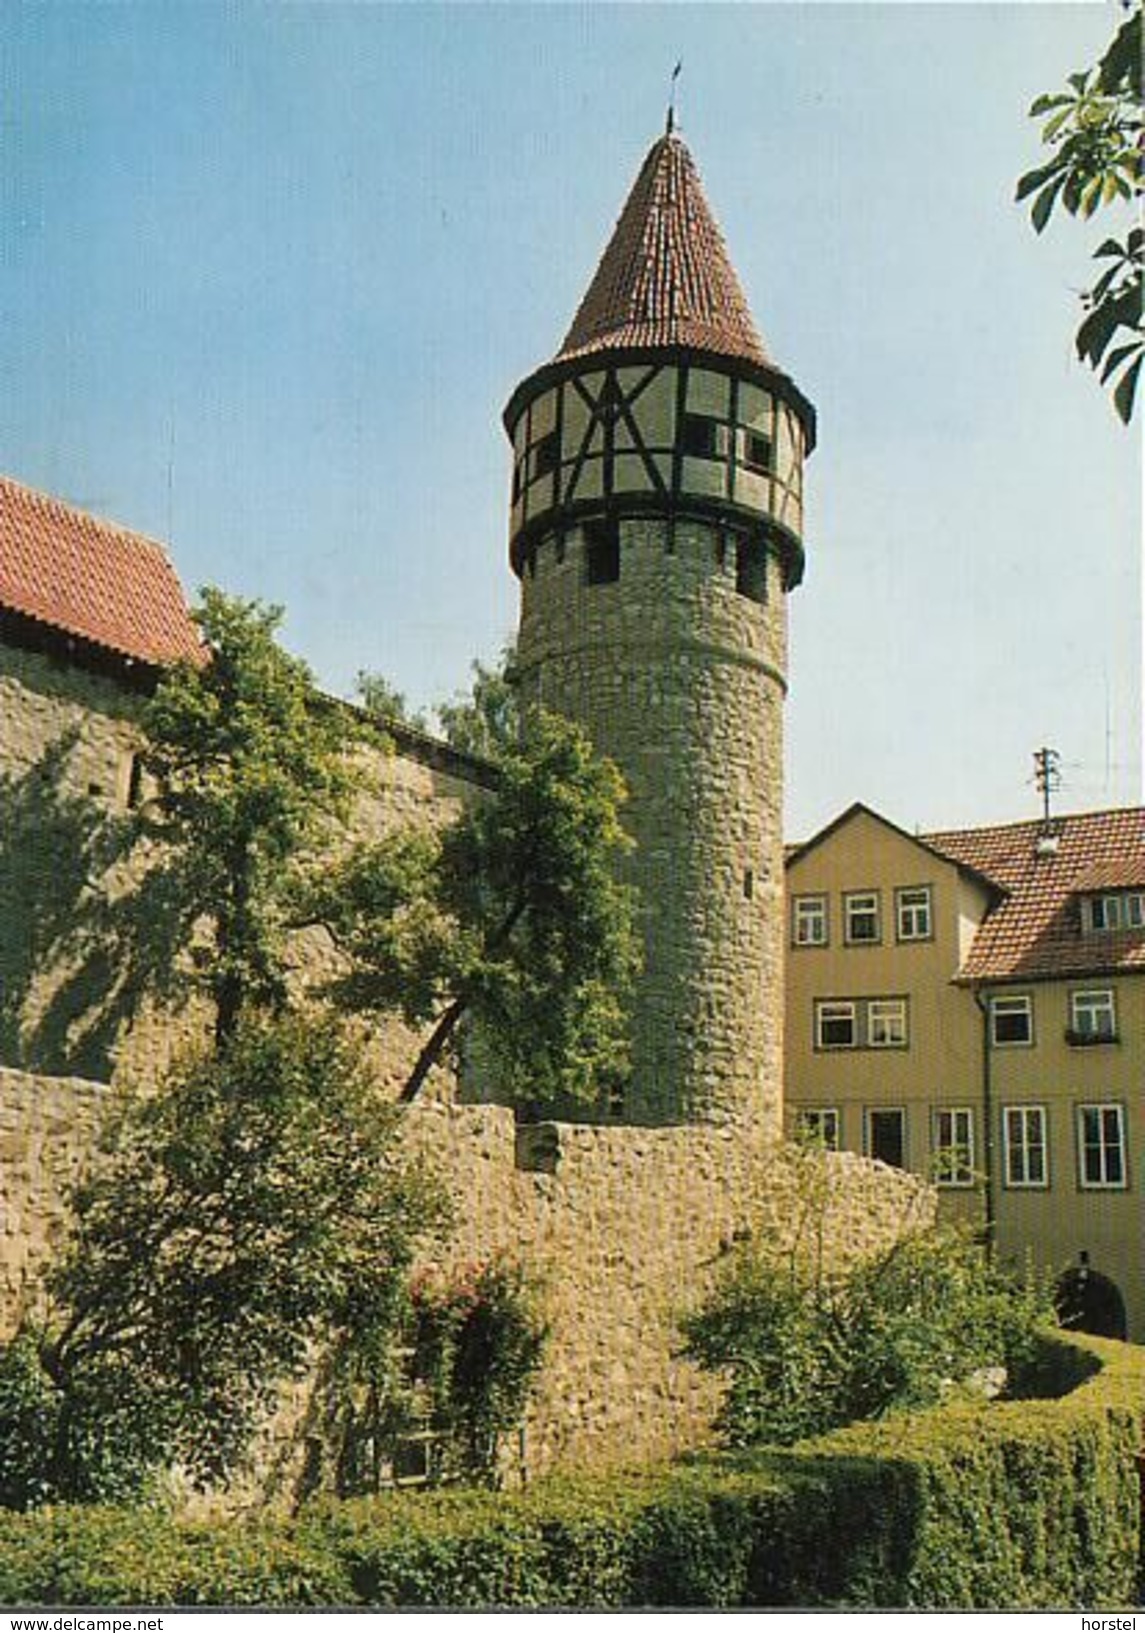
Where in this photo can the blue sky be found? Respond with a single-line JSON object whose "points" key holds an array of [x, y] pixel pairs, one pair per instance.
{"points": [[269, 273]]}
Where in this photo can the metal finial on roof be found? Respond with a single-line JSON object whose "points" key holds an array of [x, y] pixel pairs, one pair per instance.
{"points": [[670, 123]]}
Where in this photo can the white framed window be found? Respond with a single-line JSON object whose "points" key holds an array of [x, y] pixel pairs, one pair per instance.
{"points": [[885, 1134], [809, 921], [818, 1125], [886, 1023], [1092, 1016], [1012, 1021], [861, 918], [1120, 910], [952, 1134], [835, 1024], [912, 913], [1101, 1147], [1025, 1147]]}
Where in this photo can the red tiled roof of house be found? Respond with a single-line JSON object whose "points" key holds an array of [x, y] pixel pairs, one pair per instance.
{"points": [[91, 579], [666, 278], [1036, 931]]}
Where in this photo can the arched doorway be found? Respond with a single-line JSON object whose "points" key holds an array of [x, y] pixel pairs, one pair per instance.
{"points": [[1089, 1302]]}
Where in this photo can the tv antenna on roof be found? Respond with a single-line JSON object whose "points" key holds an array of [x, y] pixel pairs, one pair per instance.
{"points": [[1048, 777], [670, 123]]}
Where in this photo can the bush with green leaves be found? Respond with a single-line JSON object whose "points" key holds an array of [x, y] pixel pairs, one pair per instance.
{"points": [[805, 1348], [255, 1206], [1030, 1504]]}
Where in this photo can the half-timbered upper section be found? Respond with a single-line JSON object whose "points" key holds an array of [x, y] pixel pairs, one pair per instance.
{"points": [[663, 396]]}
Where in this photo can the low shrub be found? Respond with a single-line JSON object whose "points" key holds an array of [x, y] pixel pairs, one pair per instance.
{"points": [[968, 1505]]}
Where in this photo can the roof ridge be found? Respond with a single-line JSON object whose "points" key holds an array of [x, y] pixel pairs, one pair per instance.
{"points": [[1037, 822]]}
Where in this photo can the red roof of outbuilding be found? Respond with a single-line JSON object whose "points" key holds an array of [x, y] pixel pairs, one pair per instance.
{"points": [[91, 579], [1036, 931], [666, 278]]}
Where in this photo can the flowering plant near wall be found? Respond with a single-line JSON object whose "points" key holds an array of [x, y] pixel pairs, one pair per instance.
{"points": [[477, 1340]]}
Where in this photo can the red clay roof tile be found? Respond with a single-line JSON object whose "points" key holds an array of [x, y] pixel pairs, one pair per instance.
{"points": [[1036, 932], [91, 579], [666, 278]]}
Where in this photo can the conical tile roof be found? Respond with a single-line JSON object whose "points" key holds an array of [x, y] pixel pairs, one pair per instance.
{"points": [[666, 278]]}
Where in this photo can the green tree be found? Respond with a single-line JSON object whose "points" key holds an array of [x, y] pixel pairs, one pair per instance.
{"points": [[380, 697], [1094, 129], [487, 722], [511, 920], [255, 1207], [253, 770]]}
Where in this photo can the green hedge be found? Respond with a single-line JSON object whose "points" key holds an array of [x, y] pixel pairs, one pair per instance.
{"points": [[1021, 1504]]}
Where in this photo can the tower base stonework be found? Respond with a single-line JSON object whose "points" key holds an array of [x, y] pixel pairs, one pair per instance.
{"points": [[680, 680]]}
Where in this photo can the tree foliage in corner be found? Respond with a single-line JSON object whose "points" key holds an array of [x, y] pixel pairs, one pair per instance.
{"points": [[511, 920], [256, 1204], [253, 769], [1095, 132]]}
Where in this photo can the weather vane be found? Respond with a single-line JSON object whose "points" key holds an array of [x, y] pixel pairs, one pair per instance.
{"points": [[671, 123]]}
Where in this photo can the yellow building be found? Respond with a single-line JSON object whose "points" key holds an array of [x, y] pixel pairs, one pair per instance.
{"points": [[971, 1005]]}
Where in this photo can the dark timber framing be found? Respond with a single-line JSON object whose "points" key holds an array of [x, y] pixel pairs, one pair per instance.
{"points": [[564, 504]]}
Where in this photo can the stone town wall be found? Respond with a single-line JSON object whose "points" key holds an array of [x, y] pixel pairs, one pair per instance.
{"points": [[47, 1131], [83, 960], [626, 1225]]}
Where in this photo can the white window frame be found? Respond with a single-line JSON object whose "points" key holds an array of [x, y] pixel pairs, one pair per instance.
{"points": [[868, 1143], [862, 904], [1025, 1130], [1103, 1110], [1134, 910], [1014, 1003], [1086, 1005], [914, 914], [955, 1143], [807, 913], [1104, 912], [844, 1008], [889, 1017], [820, 1125]]}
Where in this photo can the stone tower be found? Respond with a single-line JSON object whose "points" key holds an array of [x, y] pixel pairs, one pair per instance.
{"points": [[656, 526]]}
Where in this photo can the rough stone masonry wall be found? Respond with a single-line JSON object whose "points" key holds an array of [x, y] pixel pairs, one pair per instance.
{"points": [[680, 679], [47, 1131], [627, 1230], [81, 942]]}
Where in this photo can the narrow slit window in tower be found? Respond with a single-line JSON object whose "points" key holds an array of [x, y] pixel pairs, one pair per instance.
{"points": [[751, 571], [602, 552], [546, 454]]}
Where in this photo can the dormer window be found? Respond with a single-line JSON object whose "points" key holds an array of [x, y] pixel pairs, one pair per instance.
{"points": [[1119, 910]]}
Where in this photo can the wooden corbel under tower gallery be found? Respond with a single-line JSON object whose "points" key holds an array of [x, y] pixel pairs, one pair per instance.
{"points": [[656, 528]]}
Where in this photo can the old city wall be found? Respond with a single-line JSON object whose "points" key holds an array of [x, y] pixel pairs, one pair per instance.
{"points": [[88, 939], [625, 1226]]}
